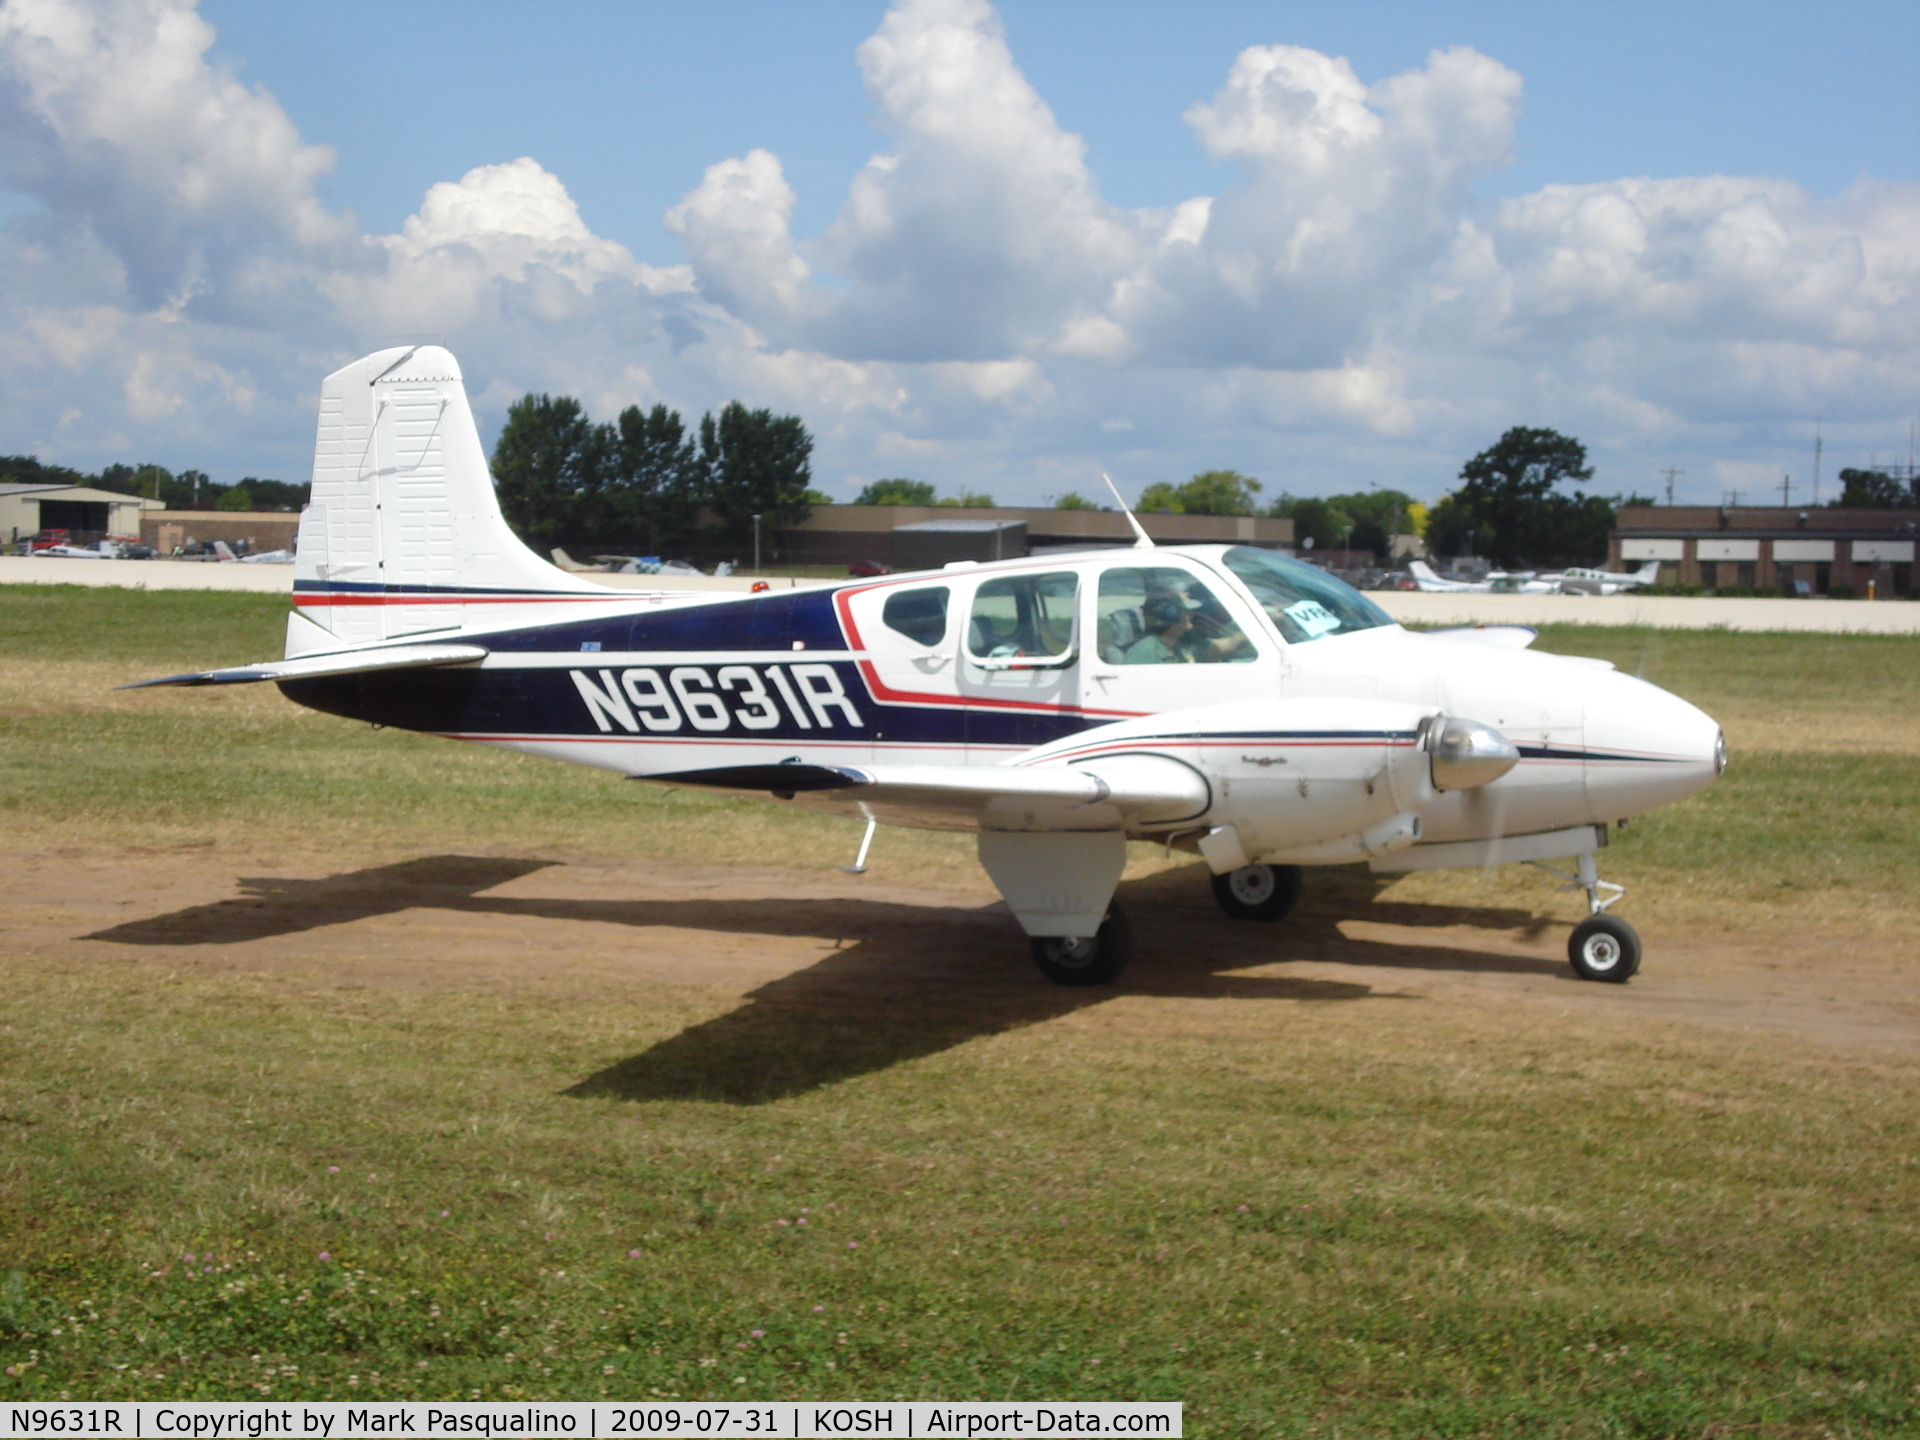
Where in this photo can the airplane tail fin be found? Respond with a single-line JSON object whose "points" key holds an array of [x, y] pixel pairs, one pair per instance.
{"points": [[1421, 570], [403, 519]]}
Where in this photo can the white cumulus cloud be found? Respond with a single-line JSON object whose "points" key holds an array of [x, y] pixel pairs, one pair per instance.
{"points": [[1346, 308]]}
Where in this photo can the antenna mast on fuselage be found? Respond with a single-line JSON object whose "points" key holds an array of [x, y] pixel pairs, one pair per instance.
{"points": [[1144, 540]]}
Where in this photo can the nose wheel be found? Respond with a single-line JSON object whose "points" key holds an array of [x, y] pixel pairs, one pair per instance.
{"points": [[1602, 946]]}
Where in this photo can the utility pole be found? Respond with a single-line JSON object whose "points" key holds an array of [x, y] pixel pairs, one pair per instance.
{"points": [[1786, 489], [756, 544], [1670, 473], [1819, 440], [1733, 499]]}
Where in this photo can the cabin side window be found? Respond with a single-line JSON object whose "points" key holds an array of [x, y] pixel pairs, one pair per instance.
{"points": [[918, 614], [1016, 616]]}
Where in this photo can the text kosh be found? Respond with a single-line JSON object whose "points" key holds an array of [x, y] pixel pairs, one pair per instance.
{"points": [[707, 698]]}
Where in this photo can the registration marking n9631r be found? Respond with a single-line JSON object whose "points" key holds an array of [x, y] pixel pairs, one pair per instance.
{"points": [[713, 698]]}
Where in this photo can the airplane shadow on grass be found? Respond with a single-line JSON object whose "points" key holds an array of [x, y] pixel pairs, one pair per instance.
{"points": [[906, 981]]}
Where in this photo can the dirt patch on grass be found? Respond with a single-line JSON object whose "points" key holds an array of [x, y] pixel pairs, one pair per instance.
{"points": [[941, 966]]}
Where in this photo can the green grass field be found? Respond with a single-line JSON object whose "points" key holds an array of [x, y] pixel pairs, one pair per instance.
{"points": [[1316, 1215]]}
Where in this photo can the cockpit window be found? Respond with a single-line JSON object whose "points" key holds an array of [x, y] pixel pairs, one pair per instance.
{"points": [[1303, 603], [1159, 615]]}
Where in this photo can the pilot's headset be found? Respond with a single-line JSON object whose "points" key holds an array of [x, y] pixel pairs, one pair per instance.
{"points": [[1160, 611]]}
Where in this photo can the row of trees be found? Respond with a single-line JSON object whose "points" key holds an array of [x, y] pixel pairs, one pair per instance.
{"points": [[645, 483], [900, 491], [189, 490], [1514, 506], [1877, 490]]}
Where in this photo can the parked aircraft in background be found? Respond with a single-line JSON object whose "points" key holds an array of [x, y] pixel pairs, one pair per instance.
{"points": [[1574, 580], [1579, 581], [1502, 582], [1223, 699]]}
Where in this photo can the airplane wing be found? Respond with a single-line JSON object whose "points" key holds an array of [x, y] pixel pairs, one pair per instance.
{"points": [[312, 667], [1108, 795]]}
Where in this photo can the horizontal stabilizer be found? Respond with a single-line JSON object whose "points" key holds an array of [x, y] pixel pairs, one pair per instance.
{"points": [[314, 667], [1122, 791]]}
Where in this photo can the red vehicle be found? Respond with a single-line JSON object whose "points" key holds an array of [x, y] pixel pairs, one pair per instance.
{"points": [[47, 539], [865, 569]]}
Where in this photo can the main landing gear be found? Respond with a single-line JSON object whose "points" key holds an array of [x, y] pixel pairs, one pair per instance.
{"points": [[1094, 959], [1258, 892], [1602, 946]]}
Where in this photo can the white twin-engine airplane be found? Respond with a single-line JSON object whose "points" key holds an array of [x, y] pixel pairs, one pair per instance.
{"points": [[1575, 580], [1224, 699]]}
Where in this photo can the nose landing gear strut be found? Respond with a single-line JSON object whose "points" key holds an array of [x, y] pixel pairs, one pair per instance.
{"points": [[1602, 946]]}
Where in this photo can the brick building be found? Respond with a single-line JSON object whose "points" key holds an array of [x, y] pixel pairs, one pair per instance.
{"points": [[1814, 551]]}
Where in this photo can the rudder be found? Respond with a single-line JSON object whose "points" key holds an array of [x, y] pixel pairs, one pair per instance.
{"points": [[403, 516]]}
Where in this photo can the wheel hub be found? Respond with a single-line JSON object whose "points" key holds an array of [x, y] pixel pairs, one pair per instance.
{"points": [[1252, 884], [1074, 953]]}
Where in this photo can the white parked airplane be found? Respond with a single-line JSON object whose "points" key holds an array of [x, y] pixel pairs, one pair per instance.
{"points": [[1224, 699], [1502, 582]]}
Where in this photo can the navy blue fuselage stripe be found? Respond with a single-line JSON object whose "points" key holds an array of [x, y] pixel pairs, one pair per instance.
{"points": [[766, 622], [548, 702], [1561, 752]]}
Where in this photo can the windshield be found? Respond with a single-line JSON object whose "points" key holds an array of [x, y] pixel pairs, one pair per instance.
{"points": [[1303, 603]]}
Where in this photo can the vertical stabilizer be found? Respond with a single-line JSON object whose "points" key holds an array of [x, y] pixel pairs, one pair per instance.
{"points": [[403, 518]]}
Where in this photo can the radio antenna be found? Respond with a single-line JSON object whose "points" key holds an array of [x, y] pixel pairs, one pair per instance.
{"points": [[1145, 541]]}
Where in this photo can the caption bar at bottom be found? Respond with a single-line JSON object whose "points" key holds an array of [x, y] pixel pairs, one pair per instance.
{"points": [[345, 1420]]}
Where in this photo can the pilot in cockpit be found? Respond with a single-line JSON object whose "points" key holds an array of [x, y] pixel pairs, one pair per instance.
{"points": [[1179, 631]]}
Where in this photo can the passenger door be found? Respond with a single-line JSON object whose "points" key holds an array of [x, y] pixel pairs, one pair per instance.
{"points": [[910, 642], [1019, 662]]}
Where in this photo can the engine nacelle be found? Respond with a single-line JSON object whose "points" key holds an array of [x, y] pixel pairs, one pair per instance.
{"points": [[1281, 774]]}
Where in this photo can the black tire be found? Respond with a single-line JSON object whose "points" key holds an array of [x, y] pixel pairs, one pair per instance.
{"points": [[1604, 948], [1259, 892], [1092, 960]]}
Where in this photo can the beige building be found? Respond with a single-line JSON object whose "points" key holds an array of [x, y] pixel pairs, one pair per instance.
{"points": [[1814, 551], [87, 515], [843, 534]]}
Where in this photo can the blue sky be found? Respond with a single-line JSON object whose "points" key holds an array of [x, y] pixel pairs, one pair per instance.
{"points": [[628, 103], [1149, 238]]}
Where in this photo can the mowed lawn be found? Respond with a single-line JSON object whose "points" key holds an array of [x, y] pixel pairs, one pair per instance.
{"points": [[1314, 1215]]}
